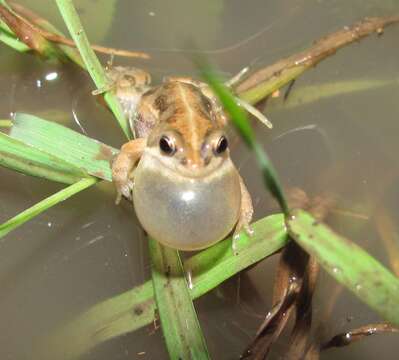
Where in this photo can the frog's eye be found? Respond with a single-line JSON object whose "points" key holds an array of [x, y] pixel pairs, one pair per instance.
{"points": [[221, 145], [167, 145]]}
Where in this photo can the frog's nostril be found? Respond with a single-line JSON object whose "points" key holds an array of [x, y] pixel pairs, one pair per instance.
{"points": [[191, 164]]}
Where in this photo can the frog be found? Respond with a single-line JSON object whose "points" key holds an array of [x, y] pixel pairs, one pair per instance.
{"points": [[186, 191], [128, 83]]}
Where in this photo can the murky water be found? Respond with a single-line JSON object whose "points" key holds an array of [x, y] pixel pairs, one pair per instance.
{"points": [[87, 249]]}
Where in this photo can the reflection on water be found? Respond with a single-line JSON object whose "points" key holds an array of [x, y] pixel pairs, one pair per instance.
{"points": [[88, 249]]}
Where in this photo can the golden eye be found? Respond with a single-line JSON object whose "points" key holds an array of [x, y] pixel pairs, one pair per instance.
{"points": [[167, 145], [221, 146]]}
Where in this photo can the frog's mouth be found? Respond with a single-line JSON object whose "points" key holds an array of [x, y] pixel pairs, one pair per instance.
{"points": [[168, 166]]}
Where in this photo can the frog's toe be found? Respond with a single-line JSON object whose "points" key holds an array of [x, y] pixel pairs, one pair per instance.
{"points": [[237, 233], [189, 279], [249, 230], [234, 246], [242, 227], [124, 190], [118, 198]]}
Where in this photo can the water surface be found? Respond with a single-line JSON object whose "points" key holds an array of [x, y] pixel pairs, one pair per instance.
{"points": [[87, 249]]}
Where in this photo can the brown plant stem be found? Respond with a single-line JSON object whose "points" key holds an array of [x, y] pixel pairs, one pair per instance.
{"points": [[267, 80], [357, 334], [26, 34], [30, 20], [389, 237], [294, 286]]}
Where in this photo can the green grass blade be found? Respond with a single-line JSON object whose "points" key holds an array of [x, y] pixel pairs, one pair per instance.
{"points": [[45, 204], [21, 157], [135, 308], [90, 59], [83, 152], [13, 42], [349, 264], [240, 121], [5, 123], [179, 322], [34, 149], [267, 87]]}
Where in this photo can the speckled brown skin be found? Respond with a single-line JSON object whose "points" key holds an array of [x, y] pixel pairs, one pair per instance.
{"points": [[187, 112]]}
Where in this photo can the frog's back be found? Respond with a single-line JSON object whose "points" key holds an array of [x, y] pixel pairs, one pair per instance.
{"points": [[182, 106]]}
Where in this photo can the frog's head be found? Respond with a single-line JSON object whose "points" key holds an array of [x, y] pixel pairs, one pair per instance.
{"points": [[191, 137]]}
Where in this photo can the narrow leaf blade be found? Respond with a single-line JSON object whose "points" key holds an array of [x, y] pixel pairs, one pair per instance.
{"points": [[180, 325], [83, 152], [21, 157], [45, 204], [349, 264]]}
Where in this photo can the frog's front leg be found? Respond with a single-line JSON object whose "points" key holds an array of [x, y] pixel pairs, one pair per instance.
{"points": [[123, 165], [245, 216]]}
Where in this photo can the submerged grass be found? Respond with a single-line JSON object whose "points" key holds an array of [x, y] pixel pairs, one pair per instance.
{"points": [[309, 94], [5, 123], [45, 204]]}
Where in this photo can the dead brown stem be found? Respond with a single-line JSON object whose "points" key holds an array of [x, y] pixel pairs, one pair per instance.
{"points": [[24, 31], [34, 21], [288, 286], [389, 236], [272, 325], [360, 333], [264, 81], [294, 286], [303, 313]]}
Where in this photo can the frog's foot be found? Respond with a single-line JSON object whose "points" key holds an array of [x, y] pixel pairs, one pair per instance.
{"points": [[123, 189], [107, 87], [121, 179], [236, 235], [123, 165], [245, 217], [189, 279]]}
